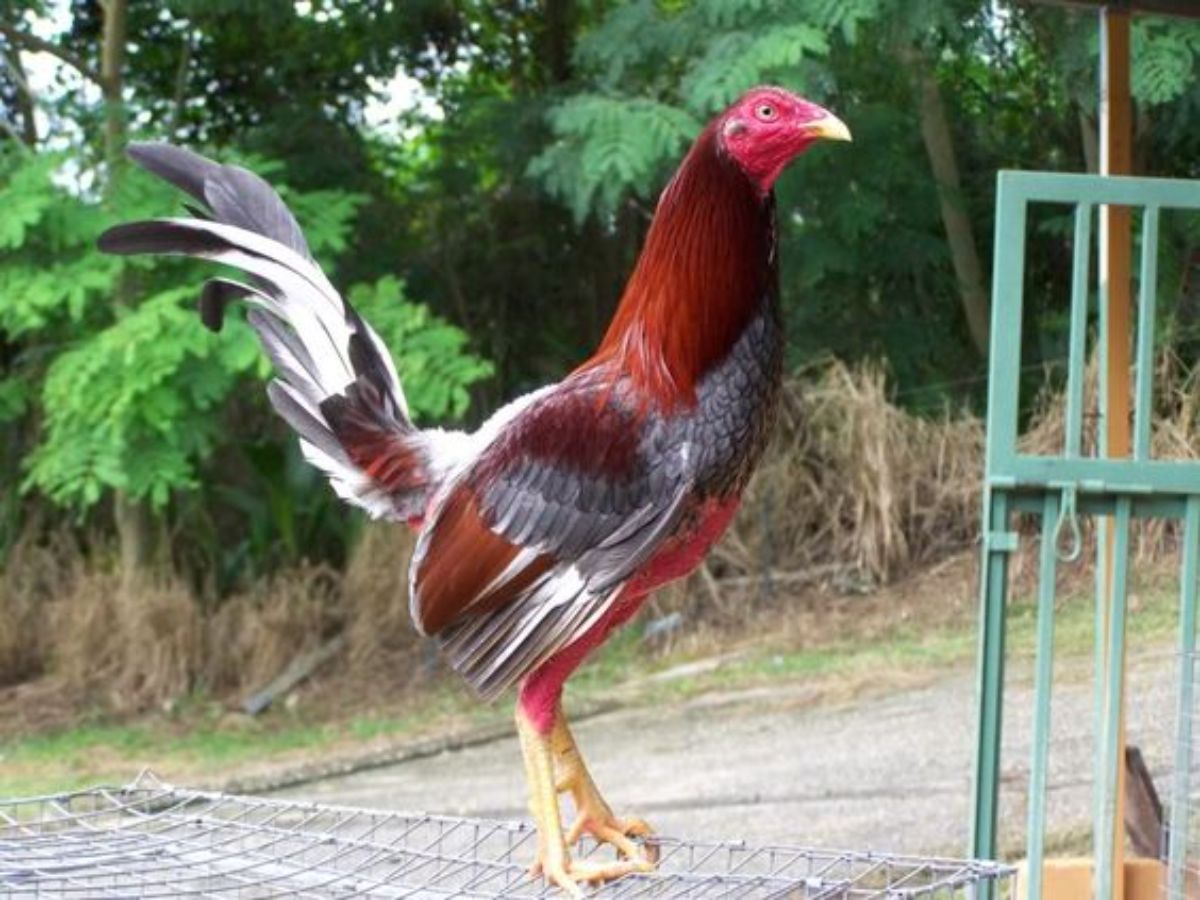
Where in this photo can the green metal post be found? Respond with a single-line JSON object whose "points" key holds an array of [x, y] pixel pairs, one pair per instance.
{"points": [[1111, 489], [1042, 685], [1147, 300], [1078, 338], [998, 542], [1111, 751], [1180, 780]]}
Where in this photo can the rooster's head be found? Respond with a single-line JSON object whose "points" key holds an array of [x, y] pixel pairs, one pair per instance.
{"points": [[769, 127]]}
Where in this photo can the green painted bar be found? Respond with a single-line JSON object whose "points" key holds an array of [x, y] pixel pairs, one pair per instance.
{"points": [[1117, 488], [1063, 187], [1154, 506], [1078, 338], [1043, 681], [1004, 364], [1111, 753], [1101, 475], [1180, 777], [1147, 301], [1098, 650], [993, 584], [1102, 351]]}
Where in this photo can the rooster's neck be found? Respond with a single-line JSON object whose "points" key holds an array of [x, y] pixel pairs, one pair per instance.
{"points": [[707, 267]]}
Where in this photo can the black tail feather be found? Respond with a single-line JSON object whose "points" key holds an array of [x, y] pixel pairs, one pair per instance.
{"points": [[215, 296], [235, 195], [160, 236]]}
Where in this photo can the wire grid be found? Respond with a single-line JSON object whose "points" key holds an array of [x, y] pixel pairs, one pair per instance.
{"points": [[1181, 785], [150, 839]]}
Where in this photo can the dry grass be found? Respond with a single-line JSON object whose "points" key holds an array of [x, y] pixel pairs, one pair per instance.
{"points": [[69, 620], [253, 635], [378, 629], [124, 649], [35, 573], [853, 480], [854, 492]]}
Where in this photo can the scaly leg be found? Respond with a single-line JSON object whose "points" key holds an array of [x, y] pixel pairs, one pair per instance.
{"points": [[553, 860], [593, 815]]}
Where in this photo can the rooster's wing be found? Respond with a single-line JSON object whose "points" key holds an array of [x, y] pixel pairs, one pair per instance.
{"points": [[530, 545]]}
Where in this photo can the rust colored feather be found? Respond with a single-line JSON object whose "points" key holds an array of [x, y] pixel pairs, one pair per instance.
{"points": [[457, 573], [707, 264]]}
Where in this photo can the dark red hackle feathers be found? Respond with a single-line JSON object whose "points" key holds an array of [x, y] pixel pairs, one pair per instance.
{"points": [[704, 269]]}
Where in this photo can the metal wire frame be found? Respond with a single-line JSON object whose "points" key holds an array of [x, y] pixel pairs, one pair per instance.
{"points": [[1181, 825], [150, 839]]}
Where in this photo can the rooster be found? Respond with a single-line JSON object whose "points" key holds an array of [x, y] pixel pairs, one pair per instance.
{"points": [[544, 530]]}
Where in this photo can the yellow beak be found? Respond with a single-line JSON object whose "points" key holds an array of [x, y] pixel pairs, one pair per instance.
{"points": [[829, 127]]}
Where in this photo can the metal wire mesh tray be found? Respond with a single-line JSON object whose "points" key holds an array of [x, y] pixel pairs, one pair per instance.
{"points": [[150, 839]]}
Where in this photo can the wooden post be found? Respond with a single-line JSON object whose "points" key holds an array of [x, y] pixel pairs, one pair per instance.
{"points": [[1116, 158]]}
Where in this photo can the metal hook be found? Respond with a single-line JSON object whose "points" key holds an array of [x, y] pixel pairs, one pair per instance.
{"points": [[1067, 515]]}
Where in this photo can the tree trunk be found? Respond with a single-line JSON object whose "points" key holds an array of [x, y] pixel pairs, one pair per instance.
{"points": [[133, 520], [964, 253], [558, 16], [25, 107], [112, 65], [1090, 140]]}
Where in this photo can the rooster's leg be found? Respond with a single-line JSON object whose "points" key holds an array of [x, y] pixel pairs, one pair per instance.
{"points": [[553, 860], [593, 815]]}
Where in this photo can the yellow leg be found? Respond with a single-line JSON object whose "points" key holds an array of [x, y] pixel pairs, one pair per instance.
{"points": [[593, 815], [554, 862]]}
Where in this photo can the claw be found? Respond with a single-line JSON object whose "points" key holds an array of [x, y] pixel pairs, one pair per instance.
{"points": [[553, 766], [617, 832], [569, 874]]}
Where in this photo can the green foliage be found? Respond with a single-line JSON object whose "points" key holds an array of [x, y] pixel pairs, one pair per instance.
{"points": [[132, 398], [511, 200], [435, 365], [127, 407], [1164, 59], [49, 271], [659, 71], [736, 60], [606, 146]]}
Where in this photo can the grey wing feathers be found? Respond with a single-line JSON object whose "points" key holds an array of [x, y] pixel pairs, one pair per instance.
{"points": [[599, 537]]}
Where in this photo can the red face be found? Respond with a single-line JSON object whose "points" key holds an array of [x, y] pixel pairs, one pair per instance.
{"points": [[769, 127]]}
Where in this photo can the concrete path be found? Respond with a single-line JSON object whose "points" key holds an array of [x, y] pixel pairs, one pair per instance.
{"points": [[889, 772]]}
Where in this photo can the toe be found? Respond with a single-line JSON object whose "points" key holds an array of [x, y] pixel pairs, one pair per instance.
{"points": [[598, 872], [635, 827]]}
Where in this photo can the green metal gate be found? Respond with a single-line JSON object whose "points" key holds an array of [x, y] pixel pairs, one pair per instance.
{"points": [[1059, 489]]}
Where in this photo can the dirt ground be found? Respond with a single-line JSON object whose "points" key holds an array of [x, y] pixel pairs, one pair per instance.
{"points": [[890, 771]]}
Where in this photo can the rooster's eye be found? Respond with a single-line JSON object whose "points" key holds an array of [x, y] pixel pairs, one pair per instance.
{"points": [[765, 111]]}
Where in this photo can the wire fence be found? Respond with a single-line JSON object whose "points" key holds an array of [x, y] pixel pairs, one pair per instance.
{"points": [[150, 839]]}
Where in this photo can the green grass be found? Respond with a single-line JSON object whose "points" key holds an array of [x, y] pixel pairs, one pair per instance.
{"points": [[914, 651], [200, 742], [206, 744]]}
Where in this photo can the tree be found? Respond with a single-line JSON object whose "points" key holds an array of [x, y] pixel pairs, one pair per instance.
{"points": [[106, 364]]}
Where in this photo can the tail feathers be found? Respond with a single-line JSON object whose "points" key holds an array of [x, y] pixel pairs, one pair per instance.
{"points": [[336, 384], [234, 195]]}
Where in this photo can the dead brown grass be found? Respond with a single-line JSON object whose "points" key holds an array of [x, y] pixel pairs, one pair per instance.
{"points": [[253, 635], [36, 572], [855, 481], [375, 589], [854, 492], [124, 648]]}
